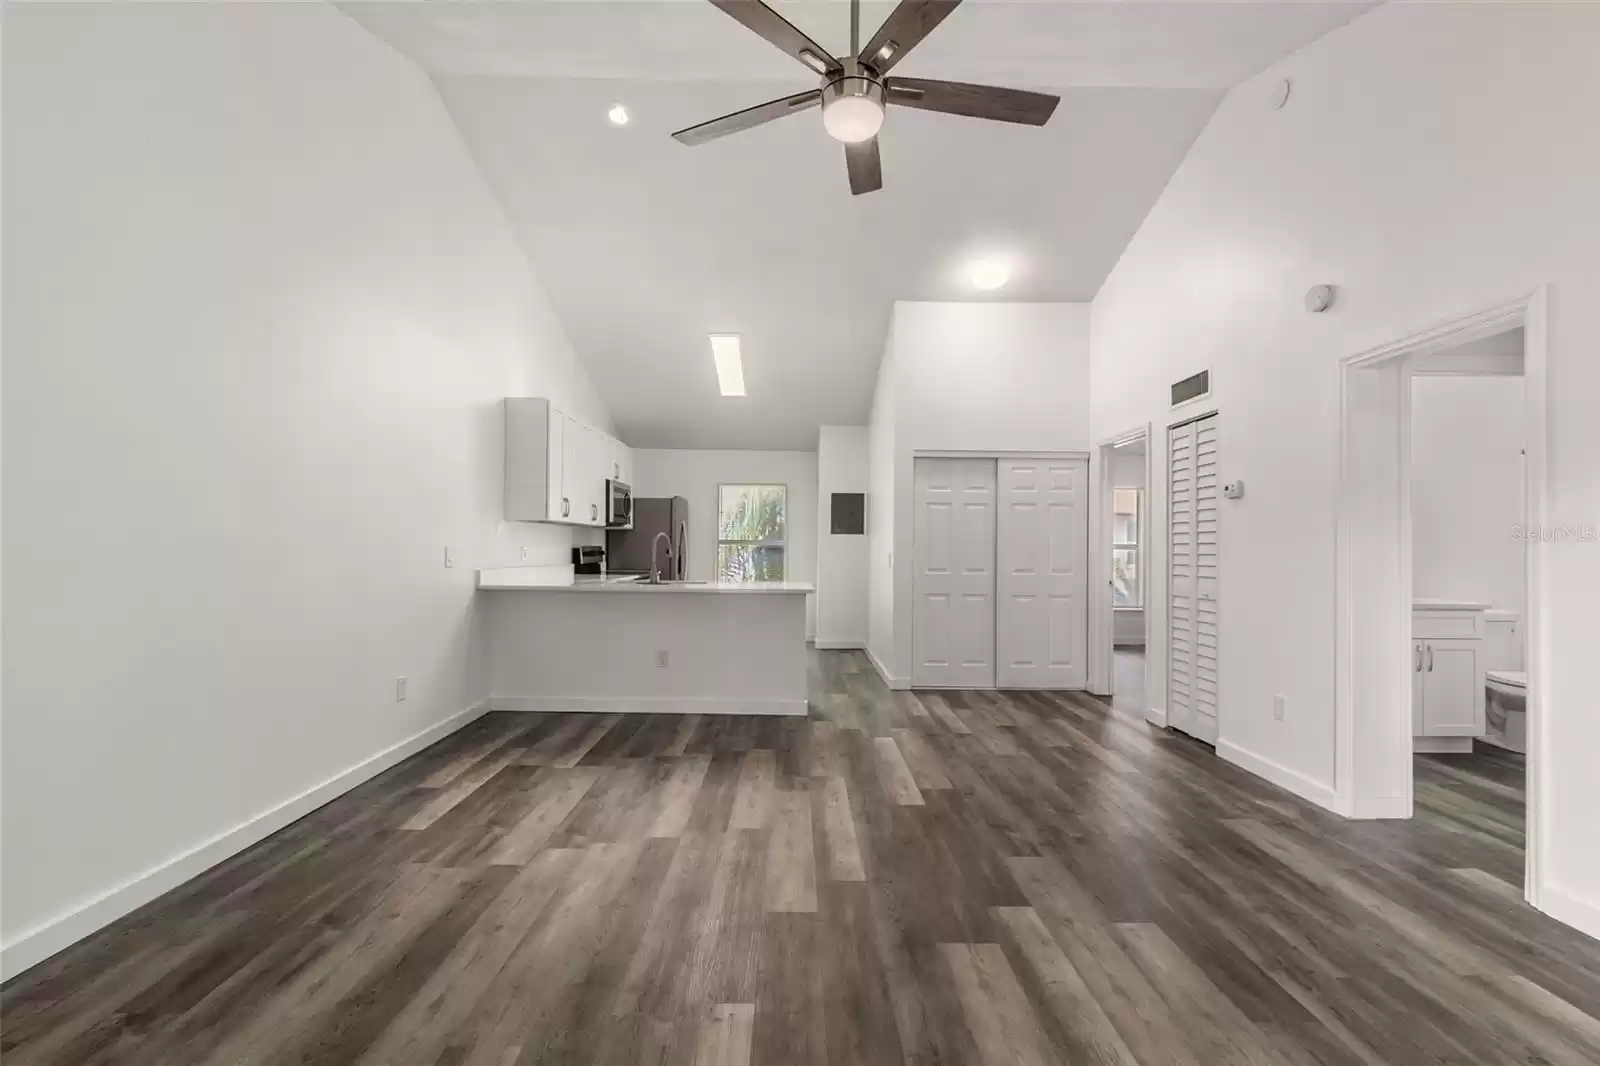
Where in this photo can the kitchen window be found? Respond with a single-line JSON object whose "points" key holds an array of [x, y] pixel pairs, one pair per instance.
{"points": [[1127, 588], [752, 526]]}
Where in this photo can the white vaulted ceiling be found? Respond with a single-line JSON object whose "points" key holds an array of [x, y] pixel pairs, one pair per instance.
{"points": [[645, 246]]}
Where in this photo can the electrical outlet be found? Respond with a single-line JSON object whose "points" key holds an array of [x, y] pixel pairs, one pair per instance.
{"points": [[1277, 708], [399, 689], [449, 557], [661, 660]]}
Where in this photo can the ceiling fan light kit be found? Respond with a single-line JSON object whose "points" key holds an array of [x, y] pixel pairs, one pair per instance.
{"points": [[852, 104], [856, 91]]}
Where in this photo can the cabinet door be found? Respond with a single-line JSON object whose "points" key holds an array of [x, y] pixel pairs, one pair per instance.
{"points": [[597, 469], [1418, 657], [624, 464], [588, 477], [571, 469], [613, 461], [554, 460], [1452, 689]]}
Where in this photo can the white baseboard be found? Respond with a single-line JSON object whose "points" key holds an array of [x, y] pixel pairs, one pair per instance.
{"points": [[647, 705], [1285, 778], [840, 645], [1571, 909], [44, 940], [898, 683], [1371, 807]]}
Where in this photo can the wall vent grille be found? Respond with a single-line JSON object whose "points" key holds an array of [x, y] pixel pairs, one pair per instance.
{"points": [[1191, 388]]}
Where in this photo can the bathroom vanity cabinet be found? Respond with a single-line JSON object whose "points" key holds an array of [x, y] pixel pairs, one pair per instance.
{"points": [[1447, 665]]}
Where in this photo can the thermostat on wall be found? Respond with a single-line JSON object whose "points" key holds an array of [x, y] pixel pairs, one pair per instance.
{"points": [[1234, 490]]}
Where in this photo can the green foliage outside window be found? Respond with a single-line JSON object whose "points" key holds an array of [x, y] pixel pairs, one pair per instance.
{"points": [[751, 526]]}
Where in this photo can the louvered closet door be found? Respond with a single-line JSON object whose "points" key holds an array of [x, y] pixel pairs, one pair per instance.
{"points": [[1043, 547], [952, 625], [1193, 578]]}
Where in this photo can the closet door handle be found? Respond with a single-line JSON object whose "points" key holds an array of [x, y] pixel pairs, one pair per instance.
{"points": [[1430, 658]]}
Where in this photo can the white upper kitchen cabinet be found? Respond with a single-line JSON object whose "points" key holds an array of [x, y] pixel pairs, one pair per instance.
{"points": [[536, 445], [594, 462], [557, 466], [621, 465]]}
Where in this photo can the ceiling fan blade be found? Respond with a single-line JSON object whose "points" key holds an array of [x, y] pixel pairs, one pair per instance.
{"points": [[750, 116], [865, 166], [974, 101], [905, 27], [767, 23]]}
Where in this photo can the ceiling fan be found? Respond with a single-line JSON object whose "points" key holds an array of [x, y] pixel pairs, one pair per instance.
{"points": [[855, 88]]}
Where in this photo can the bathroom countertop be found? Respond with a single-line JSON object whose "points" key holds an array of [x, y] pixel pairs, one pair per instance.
{"points": [[1431, 603]]}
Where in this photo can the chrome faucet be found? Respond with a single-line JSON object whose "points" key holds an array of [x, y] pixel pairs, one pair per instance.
{"points": [[655, 573]]}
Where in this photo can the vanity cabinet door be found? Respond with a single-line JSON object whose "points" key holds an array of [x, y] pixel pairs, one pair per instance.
{"points": [[1452, 689], [1418, 657]]}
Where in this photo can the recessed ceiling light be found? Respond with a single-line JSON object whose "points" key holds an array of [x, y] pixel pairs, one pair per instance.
{"points": [[990, 275], [618, 115], [730, 363]]}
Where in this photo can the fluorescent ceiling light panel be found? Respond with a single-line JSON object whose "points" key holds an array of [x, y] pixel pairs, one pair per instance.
{"points": [[730, 363]]}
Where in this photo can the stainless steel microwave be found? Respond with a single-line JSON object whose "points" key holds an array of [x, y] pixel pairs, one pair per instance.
{"points": [[619, 505]]}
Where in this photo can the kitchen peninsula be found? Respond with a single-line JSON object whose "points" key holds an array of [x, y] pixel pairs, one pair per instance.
{"points": [[564, 643]]}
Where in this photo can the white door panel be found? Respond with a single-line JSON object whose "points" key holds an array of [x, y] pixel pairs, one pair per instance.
{"points": [[1042, 638], [953, 538], [1193, 577]]}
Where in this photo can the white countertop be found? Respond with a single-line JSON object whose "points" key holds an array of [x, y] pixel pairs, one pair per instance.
{"points": [[1429, 603], [542, 579]]}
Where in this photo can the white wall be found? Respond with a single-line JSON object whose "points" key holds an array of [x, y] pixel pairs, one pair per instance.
{"points": [[971, 377], [841, 603], [1128, 472], [1467, 489], [695, 475], [1433, 159], [259, 312]]}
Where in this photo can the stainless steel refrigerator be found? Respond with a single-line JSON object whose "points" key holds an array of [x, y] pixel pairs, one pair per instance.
{"points": [[628, 550]]}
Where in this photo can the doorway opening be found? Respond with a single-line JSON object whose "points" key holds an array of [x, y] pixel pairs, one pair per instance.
{"points": [[1128, 552], [1465, 429], [1441, 480]]}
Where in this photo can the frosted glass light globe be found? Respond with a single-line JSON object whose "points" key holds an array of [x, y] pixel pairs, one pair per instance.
{"points": [[853, 119]]}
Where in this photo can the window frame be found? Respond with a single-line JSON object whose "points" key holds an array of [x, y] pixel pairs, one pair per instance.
{"points": [[783, 542], [1136, 545]]}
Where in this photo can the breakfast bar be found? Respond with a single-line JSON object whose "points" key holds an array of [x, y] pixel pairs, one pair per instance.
{"points": [[560, 643]]}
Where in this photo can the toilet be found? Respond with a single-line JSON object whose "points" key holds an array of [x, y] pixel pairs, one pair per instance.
{"points": [[1505, 682], [1506, 709]]}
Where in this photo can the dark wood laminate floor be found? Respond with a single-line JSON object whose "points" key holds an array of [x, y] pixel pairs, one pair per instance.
{"points": [[933, 878]]}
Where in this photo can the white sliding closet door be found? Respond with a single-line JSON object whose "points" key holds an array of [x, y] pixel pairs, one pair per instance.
{"points": [[953, 529], [1192, 578], [1042, 564]]}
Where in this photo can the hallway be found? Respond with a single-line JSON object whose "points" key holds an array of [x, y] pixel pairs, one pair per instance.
{"points": [[956, 877]]}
